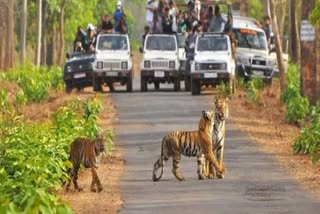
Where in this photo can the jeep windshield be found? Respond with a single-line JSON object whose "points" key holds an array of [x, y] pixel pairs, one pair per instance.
{"points": [[161, 43], [212, 43], [112, 42], [248, 38]]}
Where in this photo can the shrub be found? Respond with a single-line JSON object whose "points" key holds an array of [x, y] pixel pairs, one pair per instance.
{"points": [[297, 107], [255, 86], [34, 157], [223, 90], [309, 139], [36, 82]]}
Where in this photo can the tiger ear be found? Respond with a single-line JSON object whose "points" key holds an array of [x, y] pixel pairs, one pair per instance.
{"points": [[205, 115]]}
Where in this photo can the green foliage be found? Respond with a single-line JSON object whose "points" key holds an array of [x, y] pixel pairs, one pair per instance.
{"points": [[256, 9], [297, 107], [241, 83], [223, 90], [35, 82], [309, 139], [315, 14], [34, 156], [255, 86], [4, 102]]}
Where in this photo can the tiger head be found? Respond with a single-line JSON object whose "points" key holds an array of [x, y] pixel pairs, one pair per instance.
{"points": [[99, 143], [221, 107], [206, 121]]}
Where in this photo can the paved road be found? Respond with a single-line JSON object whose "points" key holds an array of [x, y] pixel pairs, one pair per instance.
{"points": [[253, 183]]}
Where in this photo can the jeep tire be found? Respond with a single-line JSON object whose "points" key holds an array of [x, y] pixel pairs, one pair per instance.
{"points": [[97, 87], [68, 87], [187, 83], [195, 87], [177, 84], [156, 85], [129, 83], [144, 84]]}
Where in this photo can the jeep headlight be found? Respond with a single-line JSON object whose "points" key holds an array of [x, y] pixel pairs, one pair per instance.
{"points": [[69, 68], [172, 64], [243, 60], [99, 65], [197, 66], [124, 65], [271, 63], [147, 64], [223, 66]]}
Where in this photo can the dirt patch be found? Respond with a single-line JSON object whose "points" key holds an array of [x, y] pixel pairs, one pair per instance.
{"points": [[266, 125], [107, 201]]}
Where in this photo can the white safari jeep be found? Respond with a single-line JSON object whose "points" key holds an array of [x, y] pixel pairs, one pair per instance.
{"points": [[160, 63], [113, 61], [252, 53], [213, 62]]}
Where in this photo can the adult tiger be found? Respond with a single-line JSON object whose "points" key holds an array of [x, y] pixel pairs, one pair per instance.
{"points": [[189, 143], [88, 153], [221, 112]]}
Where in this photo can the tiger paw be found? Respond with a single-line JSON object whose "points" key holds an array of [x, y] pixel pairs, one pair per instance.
{"points": [[100, 189], [221, 174], [211, 176], [201, 177], [79, 189]]}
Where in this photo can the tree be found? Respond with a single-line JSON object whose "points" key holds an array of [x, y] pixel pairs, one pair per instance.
{"points": [[39, 28], [23, 31], [9, 39], [294, 33], [278, 47]]}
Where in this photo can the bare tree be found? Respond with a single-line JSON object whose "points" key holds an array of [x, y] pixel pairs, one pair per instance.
{"points": [[294, 33], [44, 33], [61, 33], [23, 31], [39, 28], [9, 40], [278, 47]]}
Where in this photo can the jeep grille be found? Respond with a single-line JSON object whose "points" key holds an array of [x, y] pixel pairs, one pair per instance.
{"points": [[112, 65], [159, 64], [211, 66], [258, 62]]}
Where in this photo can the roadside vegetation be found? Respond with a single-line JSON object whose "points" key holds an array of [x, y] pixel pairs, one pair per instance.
{"points": [[34, 154]]}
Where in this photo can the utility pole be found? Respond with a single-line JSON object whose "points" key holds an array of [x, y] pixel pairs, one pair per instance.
{"points": [[310, 55]]}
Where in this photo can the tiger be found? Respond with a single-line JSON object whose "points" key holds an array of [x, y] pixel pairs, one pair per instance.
{"points": [[87, 152], [221, 112], [188, 143]]}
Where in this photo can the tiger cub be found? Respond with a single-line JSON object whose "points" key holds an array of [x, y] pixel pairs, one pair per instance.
{"points": [[188, 143], [88, 153], [221, 112]]}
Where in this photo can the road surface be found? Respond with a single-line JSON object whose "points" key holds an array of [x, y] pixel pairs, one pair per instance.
{"points": [[254, 182]]}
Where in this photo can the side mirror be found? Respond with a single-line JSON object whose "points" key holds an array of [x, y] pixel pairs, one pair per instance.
{"points": [[140, 50], [67, 55]]}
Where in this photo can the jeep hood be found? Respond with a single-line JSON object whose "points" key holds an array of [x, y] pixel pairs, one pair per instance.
{"points": [[171, 55], [245, 52], [211, 56], [113, 55]]}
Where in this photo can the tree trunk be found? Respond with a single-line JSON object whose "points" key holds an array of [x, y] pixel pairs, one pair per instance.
{"points": [[44, 33], [9, 41], [23, 31], [54, 46], [2, 35], [278, 47], [295, 37], [61, 33], [308, 59], [38, 37], [267, 8]]}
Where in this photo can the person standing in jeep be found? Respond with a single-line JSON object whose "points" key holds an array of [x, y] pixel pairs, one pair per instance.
{"points": [[266, 27], [167, 21]]}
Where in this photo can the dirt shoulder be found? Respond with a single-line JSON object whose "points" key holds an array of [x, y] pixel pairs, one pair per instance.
{"points": [[266, 126], [110, 170]]}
